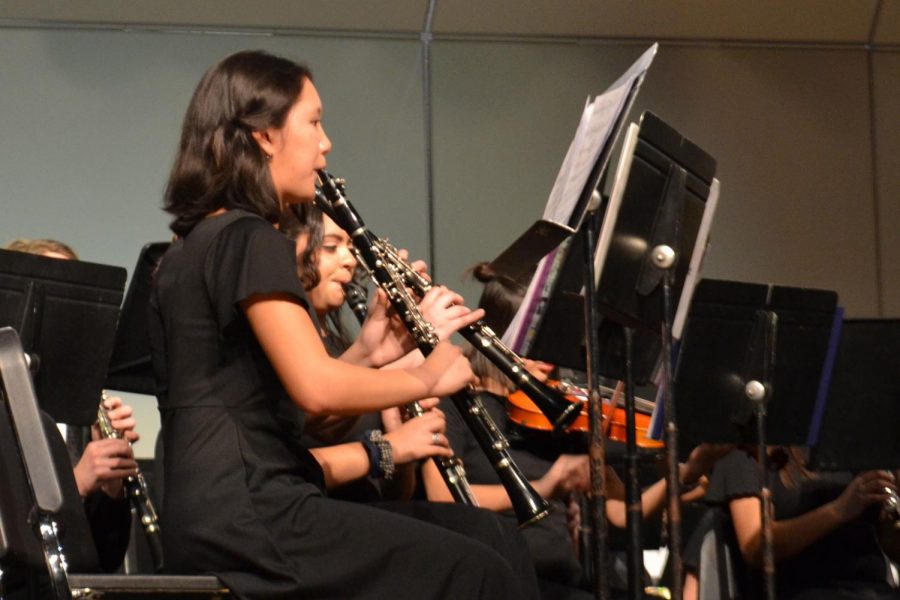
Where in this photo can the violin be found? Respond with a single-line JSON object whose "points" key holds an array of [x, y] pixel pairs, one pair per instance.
{"points": [[524, 412]]}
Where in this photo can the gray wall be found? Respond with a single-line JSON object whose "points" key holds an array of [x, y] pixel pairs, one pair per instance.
{"points": [[806, 139]]}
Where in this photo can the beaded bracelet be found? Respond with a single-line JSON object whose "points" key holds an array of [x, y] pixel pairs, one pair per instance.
{"points": [[381, 455]]}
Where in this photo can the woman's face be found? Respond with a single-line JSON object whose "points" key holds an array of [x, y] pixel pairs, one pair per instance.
{"points": [[335, 262], [298, 148]]}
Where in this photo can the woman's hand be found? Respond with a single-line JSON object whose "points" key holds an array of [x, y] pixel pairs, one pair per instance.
{"points": [[864, 490], [701, 460], [383, 337], [445, 371], [420, 437], [697, 492], [444, 309], [573, 522], [103, 465], [569, 473], [121, 416]]}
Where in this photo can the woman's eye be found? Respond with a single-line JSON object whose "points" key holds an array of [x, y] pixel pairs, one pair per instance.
{"points": [[329, 248]]}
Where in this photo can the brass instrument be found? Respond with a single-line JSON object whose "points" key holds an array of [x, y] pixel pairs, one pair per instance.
{"points": [[135, 487], [374, 254]]}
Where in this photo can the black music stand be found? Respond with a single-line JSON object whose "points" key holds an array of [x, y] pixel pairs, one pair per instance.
{"points": [[65, 312], [863, 401], [754, 368], [547, 236], [640, 217], [131, 368], [724, 348], [663, 198]]}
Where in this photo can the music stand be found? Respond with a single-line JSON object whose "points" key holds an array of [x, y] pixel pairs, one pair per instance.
{"points": [[131, 367], [863, 401], [634, 215], [65, 312], [752, 368], [720, 353], [664, 195]]}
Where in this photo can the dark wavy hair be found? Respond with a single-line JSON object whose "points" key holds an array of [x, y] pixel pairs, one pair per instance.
{"points": [[305, 219], [219, 164]]}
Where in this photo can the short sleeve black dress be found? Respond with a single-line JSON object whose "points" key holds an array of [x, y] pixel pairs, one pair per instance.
{"points": [[846, 563], [244, 499]]}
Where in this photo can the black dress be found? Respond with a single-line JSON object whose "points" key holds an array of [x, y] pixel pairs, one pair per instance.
{"points": [[846, 563], [243, 498]]}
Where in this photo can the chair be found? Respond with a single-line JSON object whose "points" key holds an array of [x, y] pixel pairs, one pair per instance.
{"points": [[36, 530], [716, 570]]}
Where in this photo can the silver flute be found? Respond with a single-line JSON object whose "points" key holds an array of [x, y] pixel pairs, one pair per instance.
{"points": [[528, 505]]}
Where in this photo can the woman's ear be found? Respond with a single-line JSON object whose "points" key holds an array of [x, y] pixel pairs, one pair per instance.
{"points": [[266, 140]]}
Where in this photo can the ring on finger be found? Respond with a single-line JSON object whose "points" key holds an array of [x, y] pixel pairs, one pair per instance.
{"points": [[435, 438]]}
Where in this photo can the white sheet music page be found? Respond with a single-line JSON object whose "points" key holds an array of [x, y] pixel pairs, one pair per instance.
{"points": [[598, 121], [597, 124]]}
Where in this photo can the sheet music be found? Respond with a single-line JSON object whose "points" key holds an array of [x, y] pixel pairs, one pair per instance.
{"points": [[597, 125], [598, 121]]}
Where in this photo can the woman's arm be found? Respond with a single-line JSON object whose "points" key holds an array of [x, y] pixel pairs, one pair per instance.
{"points": [[418, 438], [384, 339], [320, 384], [792, 536], [568, 473]]}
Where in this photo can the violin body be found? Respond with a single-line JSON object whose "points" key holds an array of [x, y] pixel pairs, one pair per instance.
{"points": [[525, 413]]}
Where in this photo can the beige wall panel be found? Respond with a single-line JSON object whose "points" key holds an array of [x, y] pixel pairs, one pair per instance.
{"points": [[91, 122], [886, 69], [789, 128]]}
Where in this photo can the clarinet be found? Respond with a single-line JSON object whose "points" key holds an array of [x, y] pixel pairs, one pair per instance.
{"points": [[552, 402], [450, 467], [135, 487], [528, 505]]}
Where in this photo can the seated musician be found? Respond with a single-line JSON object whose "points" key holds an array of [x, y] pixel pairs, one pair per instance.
{"points": [[554, 475], [823, 528], [100, 465], [354, 470]]}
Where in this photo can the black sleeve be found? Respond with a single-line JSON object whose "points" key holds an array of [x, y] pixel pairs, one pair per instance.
{"points": [[734, 476], [249, 257], [110, 521]]}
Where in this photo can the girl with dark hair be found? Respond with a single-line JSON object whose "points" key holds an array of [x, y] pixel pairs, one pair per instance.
{"points": [[237, 350]]}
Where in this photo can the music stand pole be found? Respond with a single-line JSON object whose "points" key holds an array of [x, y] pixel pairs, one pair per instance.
{"points": [[758, 393], [597, 449], [664, 258]]}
